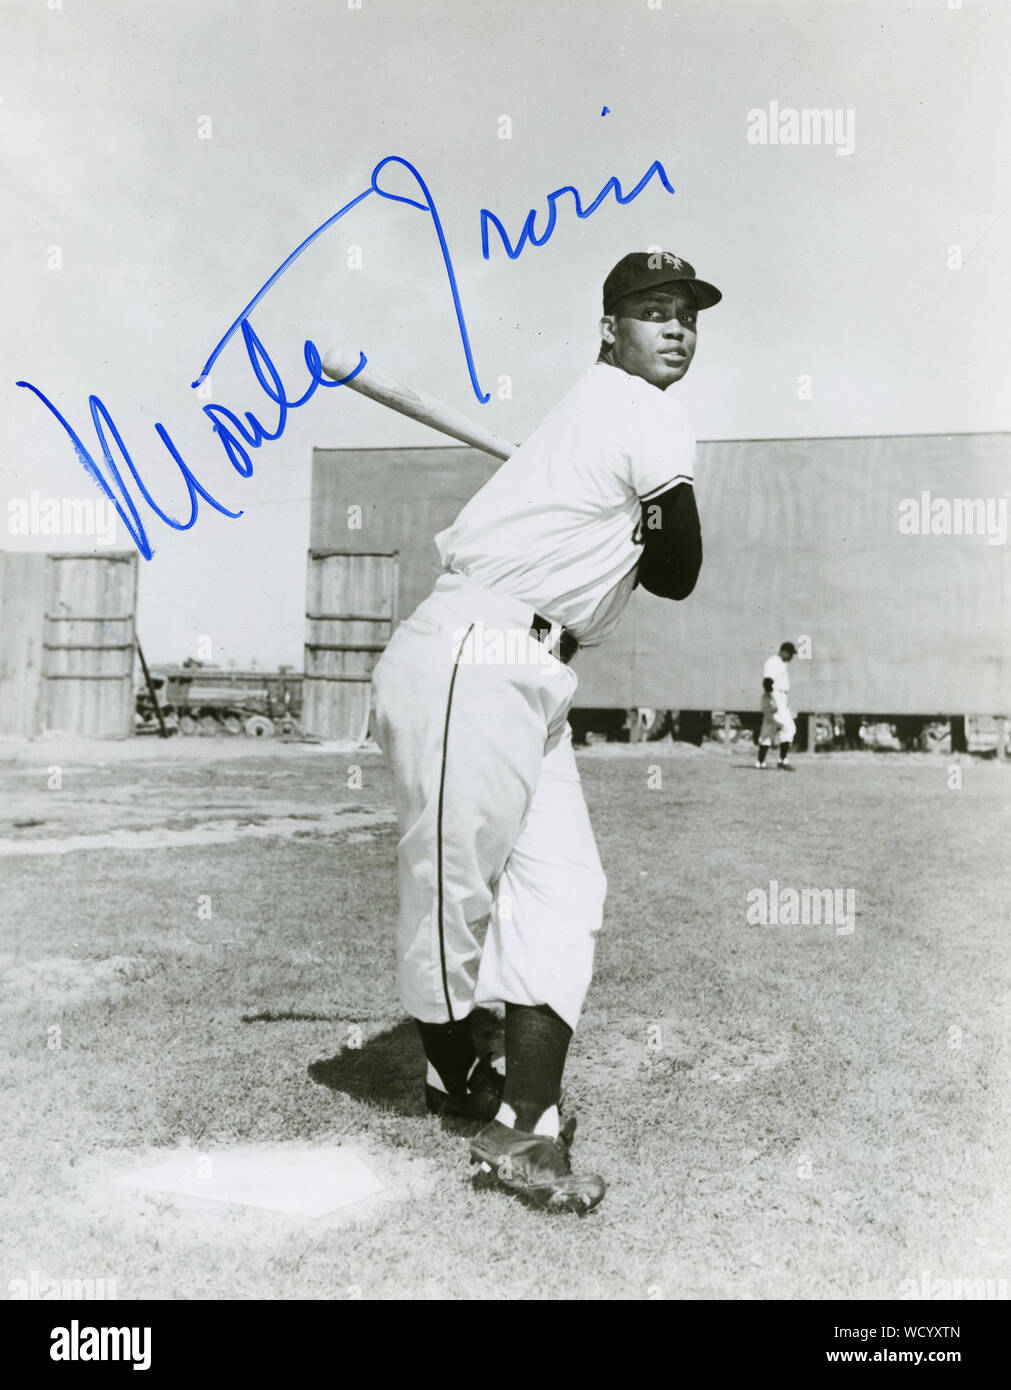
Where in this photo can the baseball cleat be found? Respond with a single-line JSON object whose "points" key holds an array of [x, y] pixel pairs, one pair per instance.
{"points": [[536, 1169], [480, 1101], [786, 767]]}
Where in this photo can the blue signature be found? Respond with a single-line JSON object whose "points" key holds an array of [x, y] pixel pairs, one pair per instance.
{"points": [[528, 226], [238, 437]]}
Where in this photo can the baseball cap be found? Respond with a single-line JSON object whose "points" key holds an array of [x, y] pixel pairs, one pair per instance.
{"points": [[645, 270]]}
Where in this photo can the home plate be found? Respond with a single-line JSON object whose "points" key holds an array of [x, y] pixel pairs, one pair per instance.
{"points": [[298, 1179]]}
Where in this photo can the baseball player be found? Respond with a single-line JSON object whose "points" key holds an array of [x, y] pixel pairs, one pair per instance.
{"points": [[772, 723], [472, 696], [776, 669]]}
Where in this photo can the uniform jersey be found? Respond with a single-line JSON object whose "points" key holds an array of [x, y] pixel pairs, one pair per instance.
{"points": [[776, 667], [558, 525]]}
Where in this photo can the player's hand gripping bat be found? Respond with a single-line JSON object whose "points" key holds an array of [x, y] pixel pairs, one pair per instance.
{"points": [[417, 405]]}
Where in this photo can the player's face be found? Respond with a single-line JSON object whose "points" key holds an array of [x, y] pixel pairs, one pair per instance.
{"points": [[653, 334]]}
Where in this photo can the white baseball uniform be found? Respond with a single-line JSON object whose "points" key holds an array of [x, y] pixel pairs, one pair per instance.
{"points": [[777, 668], [771, 731], [472, 710]]}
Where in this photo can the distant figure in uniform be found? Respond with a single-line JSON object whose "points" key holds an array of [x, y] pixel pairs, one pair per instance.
{"points": [[775, 670], [772, 724], [472, 698]]}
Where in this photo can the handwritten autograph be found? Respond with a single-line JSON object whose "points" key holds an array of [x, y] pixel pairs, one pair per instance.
{"points": [[237, 437]]}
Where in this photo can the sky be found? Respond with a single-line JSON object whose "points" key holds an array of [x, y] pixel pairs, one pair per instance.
{"points": [[161, 161]]}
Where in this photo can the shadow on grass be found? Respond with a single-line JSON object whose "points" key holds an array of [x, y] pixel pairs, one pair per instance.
{"points": [[269, 1016], [742, 766], [386, 1070], [389, 1069]]}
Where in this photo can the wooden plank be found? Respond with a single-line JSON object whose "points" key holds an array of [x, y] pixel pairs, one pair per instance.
{"points": [[333, 709], [329, 554], [348, 617], [89, 643], [350, 603], [22, 610], [84, 676], [108, 557], [87, 646], [354, 679], [345, 646]]}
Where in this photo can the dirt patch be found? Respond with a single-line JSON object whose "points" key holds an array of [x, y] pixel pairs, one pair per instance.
{"points": [[666, 1045], [65, 980], [209, 832]]}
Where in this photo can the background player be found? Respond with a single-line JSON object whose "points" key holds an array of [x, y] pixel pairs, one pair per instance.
{"points": [[776, 669], [769, 733], [772, 723], [472, 696]]}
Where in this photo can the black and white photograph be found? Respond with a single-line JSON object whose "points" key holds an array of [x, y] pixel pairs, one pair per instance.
{"points": [[505, 663]]}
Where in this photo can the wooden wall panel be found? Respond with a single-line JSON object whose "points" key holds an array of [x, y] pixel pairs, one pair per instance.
{"points": [[801, 537], [406, 497], [22, 611], [89, 644], [351, 602]]}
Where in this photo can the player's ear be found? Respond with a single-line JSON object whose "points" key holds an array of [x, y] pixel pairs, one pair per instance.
{"points": [[607, 328]]}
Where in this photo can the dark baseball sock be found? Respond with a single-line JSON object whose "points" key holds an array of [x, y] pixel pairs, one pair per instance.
{"points": [[450, 1049], [536, 1046], [784, 749], [762, 751]]}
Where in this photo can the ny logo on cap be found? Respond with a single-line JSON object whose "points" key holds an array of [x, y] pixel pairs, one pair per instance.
{"points": [[665, 260]]}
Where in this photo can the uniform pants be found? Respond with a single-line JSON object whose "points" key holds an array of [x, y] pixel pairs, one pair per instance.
{"points": [[788, 728], [471, 711]]}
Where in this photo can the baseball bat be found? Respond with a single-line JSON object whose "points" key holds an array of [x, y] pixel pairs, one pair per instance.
{"points": [[416, 405]]}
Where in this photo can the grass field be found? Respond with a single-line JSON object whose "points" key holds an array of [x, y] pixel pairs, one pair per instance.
{"points": [[780, 1111]]}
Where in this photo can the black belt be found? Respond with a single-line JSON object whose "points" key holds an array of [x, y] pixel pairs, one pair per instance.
{"points": [[568, 645]]}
